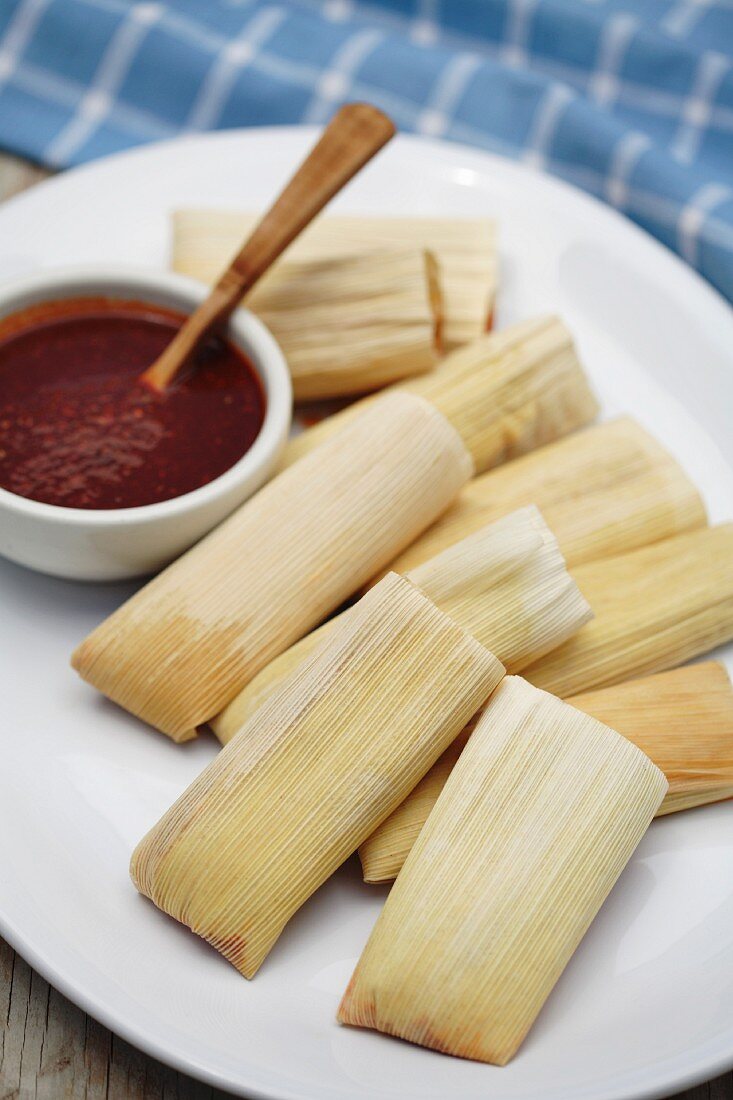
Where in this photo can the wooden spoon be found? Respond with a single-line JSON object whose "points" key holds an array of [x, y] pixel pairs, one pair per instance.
{"points": [[350, 140]]}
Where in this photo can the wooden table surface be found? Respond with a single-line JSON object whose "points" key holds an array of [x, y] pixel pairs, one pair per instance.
{"points": [[49, 1048]]}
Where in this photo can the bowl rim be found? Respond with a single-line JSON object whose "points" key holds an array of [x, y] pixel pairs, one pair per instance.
{"points": [[246, 331]]}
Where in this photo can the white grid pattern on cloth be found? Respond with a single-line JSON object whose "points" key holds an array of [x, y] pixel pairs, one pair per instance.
{"points": [[587, 177], [682, 17], [98, 98], [625, 156], [61, 90], [630, 93], [334, 82], [19, 33], [605, 85], [713, 67], [514, 50], [547, 116], [694, 214], [435, 118], [337, 11], [228, 64], [654, 150], [425, 28]]}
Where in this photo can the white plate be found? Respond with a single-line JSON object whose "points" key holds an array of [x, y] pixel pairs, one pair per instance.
{"points": [[646, 1005]]}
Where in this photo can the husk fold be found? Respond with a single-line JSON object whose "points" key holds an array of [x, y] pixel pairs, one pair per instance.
{"points": [[505, 394], [536, 822], [182, 647], [506, 584], [314, 771]]}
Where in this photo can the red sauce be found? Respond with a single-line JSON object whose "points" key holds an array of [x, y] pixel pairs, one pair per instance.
{"points": [[77, 428]]}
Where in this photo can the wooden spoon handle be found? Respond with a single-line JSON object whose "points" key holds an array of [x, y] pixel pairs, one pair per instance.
{"points": [[355, 134]]}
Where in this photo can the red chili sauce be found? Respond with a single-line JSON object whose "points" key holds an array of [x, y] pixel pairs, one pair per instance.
{"points": [[78, 429]]}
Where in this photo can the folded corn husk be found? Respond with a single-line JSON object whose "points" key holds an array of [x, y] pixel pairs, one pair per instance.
{"points": [[682, 720], [507, 585], [653, 609], [604, 490], [354, 324], [318, 766], [607, 488], [535, 824], [465, 249], [182, 647], [384, 851], [505, 394]]}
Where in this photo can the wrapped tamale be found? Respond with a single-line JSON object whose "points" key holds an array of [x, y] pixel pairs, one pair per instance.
{"points": [[384, 851], [464, 248], [681, 719], [603, 490], [607, 488], [537, 821], [314, 771], [353, 325], [653, 608], [182, 647], [507, 585], [505, 394]]}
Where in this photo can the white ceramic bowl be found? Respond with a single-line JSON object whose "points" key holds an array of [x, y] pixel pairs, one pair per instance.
{"points": [[96, 544]]}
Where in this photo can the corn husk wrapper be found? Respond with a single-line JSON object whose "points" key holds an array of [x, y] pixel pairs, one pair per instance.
{"points": [[352, 325], [607, 488], [182, 647], [505, 394], [507, 585], [384, 852], [681, 719], [604, 490], [318, 766], [465, 250], [534, 826], [653, 608]]}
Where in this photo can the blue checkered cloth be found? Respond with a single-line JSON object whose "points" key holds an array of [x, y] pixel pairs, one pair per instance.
{"points": [[630, 99]]}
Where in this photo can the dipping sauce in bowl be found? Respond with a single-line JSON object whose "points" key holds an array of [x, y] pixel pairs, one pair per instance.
{"points": [[77, 428]]}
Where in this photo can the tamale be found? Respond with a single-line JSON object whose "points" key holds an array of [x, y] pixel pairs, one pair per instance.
{"points": [[539, 817], [465, 250], [352, 325], [653, 608], [182, 647], [317, 767], [603, 490], [505, 394], [507, 585], [384, 851], [608, 488], [681, 719]]}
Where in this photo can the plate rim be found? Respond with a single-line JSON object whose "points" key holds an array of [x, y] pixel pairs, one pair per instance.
{"points": [[709, 295], [707, 299]]}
